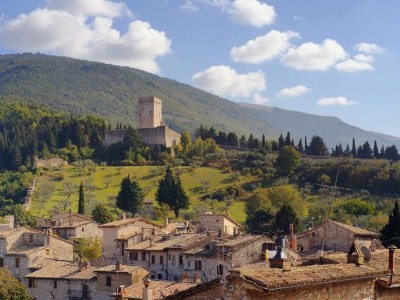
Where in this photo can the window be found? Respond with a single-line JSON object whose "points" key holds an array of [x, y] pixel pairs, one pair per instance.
{"points": [[1, 262], [153, 259], [159, 276], [133, 256], [180, 260], [220, 270], [108, 281], [31, 282], [31, 238], [173, 259], [169, 256], [83, 229], [143, 256], [55, 284], [17, 262], [198, 265], [161, 260]]}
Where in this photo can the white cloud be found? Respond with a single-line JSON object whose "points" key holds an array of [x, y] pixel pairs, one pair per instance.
{"points": [[341, 101], [188, 5], [311, 56], [369, 48], [70, 34], [247, 12], [352, 66], [364, 58], [226, 82], [294, 91], [263, 48], [252, 12]]}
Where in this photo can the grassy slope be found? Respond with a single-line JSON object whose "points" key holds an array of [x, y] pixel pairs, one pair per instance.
{"points": [[147, 176]]}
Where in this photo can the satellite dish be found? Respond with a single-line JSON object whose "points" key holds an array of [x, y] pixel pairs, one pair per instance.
{"points": [[367, 253]]}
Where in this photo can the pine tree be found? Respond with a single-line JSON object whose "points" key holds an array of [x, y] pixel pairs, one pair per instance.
{"points": [[288, 140], [281, 142], [101, 214], [263, 144], [390, 234], [284, 217], [300, 146], [354, 149], [171, 192], [81, 202], [305, 146], [130, 196], [376, 150]]}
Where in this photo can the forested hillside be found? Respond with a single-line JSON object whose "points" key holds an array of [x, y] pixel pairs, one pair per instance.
{"points": [[85, 88]]}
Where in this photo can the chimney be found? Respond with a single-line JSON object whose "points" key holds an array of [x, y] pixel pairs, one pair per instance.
{"points": [[166, 221], [118, 266], [123, 216], [291, 229], [151, 242], [279, 261], [391, 258], [46, 241], [147, 291]]}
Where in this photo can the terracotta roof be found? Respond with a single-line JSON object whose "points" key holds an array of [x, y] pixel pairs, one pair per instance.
{"points": [[356, 230], [161, 289], [119, 223], [25, 249], [183, 241], [123, 269], [266, 278], [63, 270], [74, 224], [379, 261]]}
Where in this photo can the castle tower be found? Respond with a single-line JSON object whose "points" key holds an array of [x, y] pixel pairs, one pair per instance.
{"points": [[150, 112]]}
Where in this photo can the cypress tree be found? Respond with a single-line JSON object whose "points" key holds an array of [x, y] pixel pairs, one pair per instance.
{"points": [[390, 234], [354, 149], [281, 142], [376, 150], [81, 202], [263, 144]]}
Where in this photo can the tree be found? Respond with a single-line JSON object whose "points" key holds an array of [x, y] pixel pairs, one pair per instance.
{"points": [[263, 144], [171, 192], [366, 151], [284, 217], [357, 207], [354, 149], [186, 142], [89, 248], [101, 214], [130, 196], [11, 288], [390, 234], [81, 201], [317, 146], [281, 142], [376, 150], [288, 160], [259, 220]]}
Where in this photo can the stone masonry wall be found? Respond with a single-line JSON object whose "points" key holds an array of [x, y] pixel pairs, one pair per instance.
{"points": [[236, 289]]}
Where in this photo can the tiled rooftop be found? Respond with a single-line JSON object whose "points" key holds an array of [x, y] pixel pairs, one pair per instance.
{"points": [[67, 270], [119, 223], [123, 269], [161, 289], [272, 278], [183, 241]]}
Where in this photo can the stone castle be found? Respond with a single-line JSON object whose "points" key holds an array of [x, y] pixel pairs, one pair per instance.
{"points": [[151, 126]]}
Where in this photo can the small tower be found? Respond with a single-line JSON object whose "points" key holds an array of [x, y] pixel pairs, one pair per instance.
{"points": [[150, 112]]}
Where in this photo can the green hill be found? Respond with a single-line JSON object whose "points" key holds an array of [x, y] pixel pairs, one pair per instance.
{"points": [[83, 87]]}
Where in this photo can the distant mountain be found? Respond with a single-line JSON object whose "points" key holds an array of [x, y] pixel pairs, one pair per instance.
{"points": [[83, 87]]}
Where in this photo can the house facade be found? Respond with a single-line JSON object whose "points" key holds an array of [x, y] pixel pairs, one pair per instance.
{"points": [[332, 235], [223, 224]]}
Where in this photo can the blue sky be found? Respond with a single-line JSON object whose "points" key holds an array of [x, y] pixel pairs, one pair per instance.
{"points": [[337, 58]]}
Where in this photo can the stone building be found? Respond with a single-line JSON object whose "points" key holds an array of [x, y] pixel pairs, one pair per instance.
{"points": [[223, 224], [69, 225], [332, 235], [60, 279], [163, 256], [23, 249], [121, 234], [216, 258], [339, 280], [151, 126], [109, 278]]}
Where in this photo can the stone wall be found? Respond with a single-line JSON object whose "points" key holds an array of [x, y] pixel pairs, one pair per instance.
{"points": [[114, 136], [218, 223], [237, 289], [332, 236], [44, 289], [150, 112]]}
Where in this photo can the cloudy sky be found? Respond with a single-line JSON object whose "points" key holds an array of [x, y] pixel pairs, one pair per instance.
{"points": [[338, 58]]}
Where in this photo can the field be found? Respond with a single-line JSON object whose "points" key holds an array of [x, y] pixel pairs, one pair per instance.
{"points": [[59, 188]]}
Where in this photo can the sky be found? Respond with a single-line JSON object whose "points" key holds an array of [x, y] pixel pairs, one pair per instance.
{"points": [[333, 58]]}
